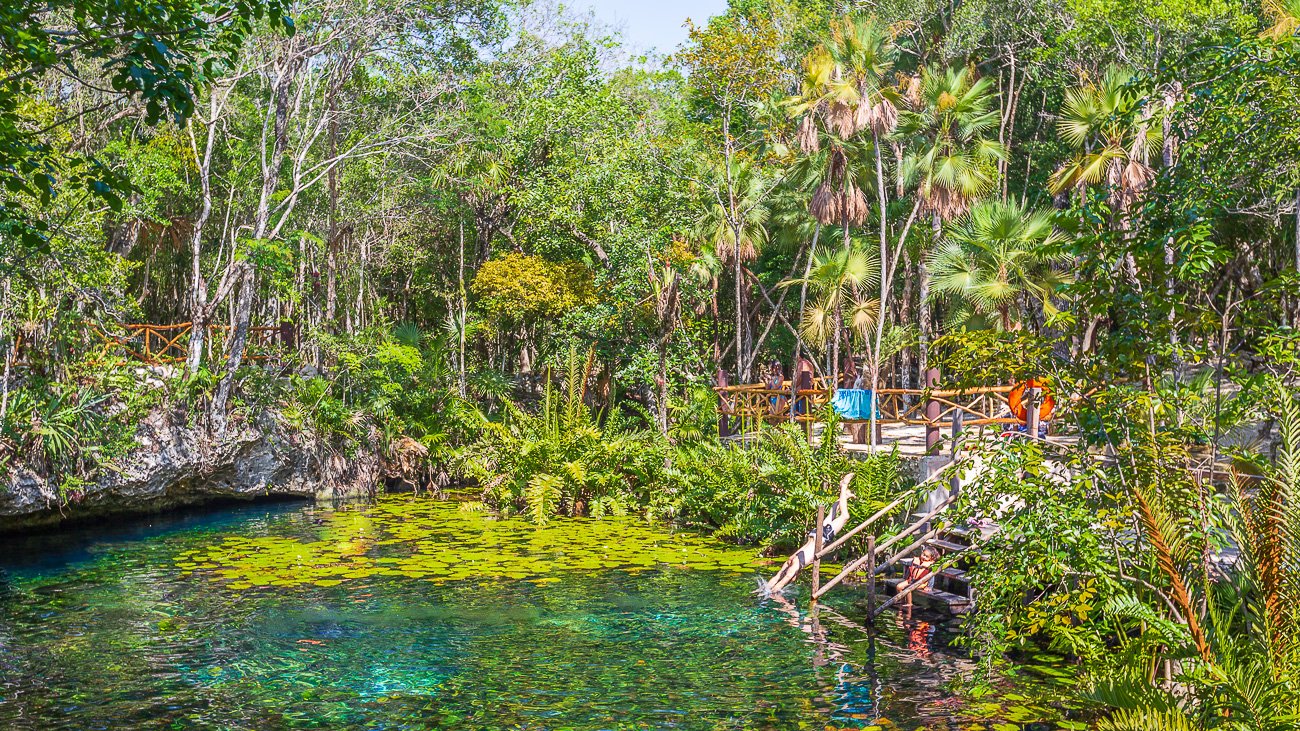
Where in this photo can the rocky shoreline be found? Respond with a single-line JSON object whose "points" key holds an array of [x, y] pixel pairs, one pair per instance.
{"points": [[176, 464]]}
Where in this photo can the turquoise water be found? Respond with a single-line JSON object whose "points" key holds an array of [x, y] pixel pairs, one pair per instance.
{"points": [[414, 614]]}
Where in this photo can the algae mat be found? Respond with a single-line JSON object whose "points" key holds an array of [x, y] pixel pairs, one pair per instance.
{"points": [[439, 541]]}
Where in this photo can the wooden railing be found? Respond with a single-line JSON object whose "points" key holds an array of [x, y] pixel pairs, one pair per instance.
{"points": [[164, 344], [747, 406], [158, 344]]}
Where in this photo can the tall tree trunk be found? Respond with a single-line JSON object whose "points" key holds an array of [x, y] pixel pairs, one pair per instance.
{"points": [[238, 340], [741, 375], [1167, 158], [332, 237], [923, 300], [661, 407], [803, 302], [1297, 229], [885, 277], [200, 310], [271, 165], [9, 353], [905, 315], [462, 380]]}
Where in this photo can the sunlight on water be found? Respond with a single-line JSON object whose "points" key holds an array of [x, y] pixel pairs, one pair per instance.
{"points": [[413, 614]]}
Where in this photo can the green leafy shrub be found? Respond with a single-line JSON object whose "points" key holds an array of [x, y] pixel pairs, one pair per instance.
{"points": [[562, 460], [72, 430], [766, 492]]}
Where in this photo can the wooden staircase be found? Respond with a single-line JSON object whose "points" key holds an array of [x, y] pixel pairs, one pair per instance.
{"points": [[951, 590], [887, 560]]}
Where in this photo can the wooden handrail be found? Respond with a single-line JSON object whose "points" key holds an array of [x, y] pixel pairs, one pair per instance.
{"points": [[154, 344], [935, 392], [909, 530], [755, 403], [863, 525], [855, 565]]}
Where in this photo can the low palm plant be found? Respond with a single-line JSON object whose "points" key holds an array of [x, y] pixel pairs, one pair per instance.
{"points": [[561, 460], [766, 493], [997, 254], [1111, 129], [837, 280]]}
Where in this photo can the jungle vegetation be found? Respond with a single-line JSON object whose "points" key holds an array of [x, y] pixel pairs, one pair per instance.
{"points": [[514, 253]]}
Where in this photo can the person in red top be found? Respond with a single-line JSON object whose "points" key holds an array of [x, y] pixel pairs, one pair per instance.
{"points": [[918, 570]]}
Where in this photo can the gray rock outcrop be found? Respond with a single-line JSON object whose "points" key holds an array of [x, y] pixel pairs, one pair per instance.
{"points": [[176, 464]]}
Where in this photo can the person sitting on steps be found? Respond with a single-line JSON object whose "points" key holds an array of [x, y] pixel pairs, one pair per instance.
{"points": [[918, 570]]}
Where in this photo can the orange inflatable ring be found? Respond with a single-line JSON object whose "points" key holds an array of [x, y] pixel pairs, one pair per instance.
{"points": [[1016, 398]]}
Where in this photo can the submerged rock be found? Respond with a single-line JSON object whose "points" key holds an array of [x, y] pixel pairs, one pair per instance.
{"points": [[176, 464]]}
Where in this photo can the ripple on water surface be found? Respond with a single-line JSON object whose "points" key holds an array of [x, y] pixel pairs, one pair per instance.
{"points": [[410, 613]]}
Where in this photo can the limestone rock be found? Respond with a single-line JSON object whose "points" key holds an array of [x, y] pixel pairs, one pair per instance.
{"points": [[177, 464]]}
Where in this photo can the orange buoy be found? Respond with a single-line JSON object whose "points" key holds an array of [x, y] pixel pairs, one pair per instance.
{"points": [[1016, 398]]}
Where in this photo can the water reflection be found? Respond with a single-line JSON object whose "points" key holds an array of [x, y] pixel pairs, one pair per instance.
{"points": [[583, 626]]}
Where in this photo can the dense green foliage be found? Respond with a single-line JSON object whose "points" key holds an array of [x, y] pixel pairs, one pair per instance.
{"points": [[443, 201]]}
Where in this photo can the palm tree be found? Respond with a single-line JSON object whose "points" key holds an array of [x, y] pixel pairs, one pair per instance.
{"points": [[836, 278], [846, 87], [1109, 125], [995, 255], [736, 228], [954, 162]]}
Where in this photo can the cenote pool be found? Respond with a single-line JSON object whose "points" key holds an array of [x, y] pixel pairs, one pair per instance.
{"points": [[411, 613]]}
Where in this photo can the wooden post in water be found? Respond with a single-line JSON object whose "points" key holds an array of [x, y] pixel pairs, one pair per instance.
{"points": [[818, 538], [871, 579], [932, 409]]}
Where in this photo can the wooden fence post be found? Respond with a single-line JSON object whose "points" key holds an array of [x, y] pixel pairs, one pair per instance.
{"points": [[817, 549], [871, 579], [932, 409], [1031, 411]]}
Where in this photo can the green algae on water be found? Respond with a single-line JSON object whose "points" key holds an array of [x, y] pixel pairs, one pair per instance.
{"points": [[433, 540]]}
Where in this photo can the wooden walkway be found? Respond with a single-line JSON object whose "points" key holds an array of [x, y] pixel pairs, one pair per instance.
{"points": [[915, 421]]}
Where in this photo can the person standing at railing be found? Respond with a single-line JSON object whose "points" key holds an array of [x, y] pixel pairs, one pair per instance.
{"points": [[803, 381], [775, 382], [849, 373]]}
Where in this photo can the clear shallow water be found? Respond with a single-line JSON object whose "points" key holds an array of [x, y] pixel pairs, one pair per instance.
{"points": [[410, 613]]}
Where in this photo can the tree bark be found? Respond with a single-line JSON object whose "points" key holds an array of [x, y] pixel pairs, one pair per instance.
{"points": [[1297, 229], [923, 299], [803, 302], [238, 340], [278, 121], [462, 380]]}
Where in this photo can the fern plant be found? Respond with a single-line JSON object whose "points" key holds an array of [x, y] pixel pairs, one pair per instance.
{"points": [[1239, 632], [561, 460]]}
